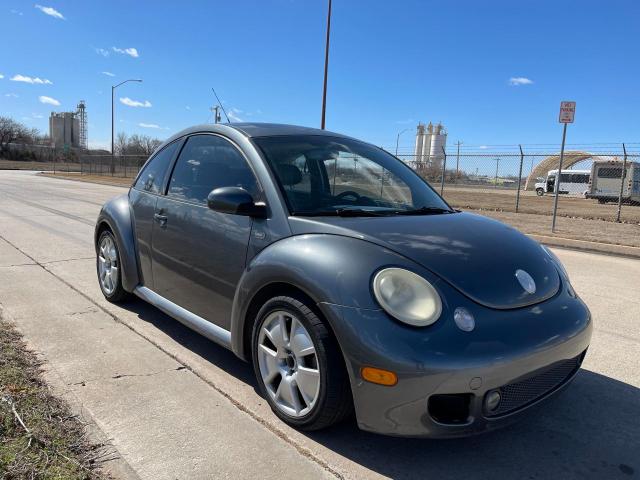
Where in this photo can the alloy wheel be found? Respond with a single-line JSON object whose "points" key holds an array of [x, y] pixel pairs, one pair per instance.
{"points": [[108, 265], [288, 363]]}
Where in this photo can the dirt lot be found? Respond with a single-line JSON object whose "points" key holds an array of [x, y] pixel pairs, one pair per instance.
{"points": [[503, 200]]}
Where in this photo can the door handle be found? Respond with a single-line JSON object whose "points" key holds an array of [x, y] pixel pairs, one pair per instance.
{"points": [[161, 219]]}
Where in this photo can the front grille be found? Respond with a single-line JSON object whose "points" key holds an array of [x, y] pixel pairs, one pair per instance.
{"points": [[520, 394]]}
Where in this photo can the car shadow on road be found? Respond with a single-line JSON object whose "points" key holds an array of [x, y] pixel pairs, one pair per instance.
{"points": [[590, 430]]}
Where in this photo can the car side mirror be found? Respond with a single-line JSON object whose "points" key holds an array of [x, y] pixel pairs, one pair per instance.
{"points": [[236, 201]]}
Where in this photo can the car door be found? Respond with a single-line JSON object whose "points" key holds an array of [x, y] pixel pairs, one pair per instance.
{"points": [[199, 255], [142, 197]]}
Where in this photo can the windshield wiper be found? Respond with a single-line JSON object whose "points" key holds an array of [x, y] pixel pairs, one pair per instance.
{"points": [[345, 212], [361, 212], [425, 211]]}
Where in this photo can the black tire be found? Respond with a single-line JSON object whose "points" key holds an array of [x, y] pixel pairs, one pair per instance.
{"points": [[602, 201], [334, 402], [119, 294]]}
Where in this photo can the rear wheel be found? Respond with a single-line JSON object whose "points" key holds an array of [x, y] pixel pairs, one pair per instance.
{"points": [[299, 366], [108, 268]]}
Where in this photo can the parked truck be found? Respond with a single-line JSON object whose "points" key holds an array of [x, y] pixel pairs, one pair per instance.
{"points": [[606, 176]]}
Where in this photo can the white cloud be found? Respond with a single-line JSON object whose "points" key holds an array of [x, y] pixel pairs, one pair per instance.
{"points": [[52, 12], [31, 80], [1, 76], [49, 100], [405, 122], [483, 147], [187, 107], [233, 115], [13, 95], [109, 74], [102, 51], [517, 81], [36, 115], [134, 103], [16, 12], [148, 125], [132, 52]]}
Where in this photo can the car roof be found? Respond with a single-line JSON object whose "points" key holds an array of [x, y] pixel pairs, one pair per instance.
{"points": [[276, 129]]}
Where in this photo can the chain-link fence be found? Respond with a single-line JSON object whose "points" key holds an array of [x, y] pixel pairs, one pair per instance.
{"points": [[517, 186], [71, 161], [592, 186]]}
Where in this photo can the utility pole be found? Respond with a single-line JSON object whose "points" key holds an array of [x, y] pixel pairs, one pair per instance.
{"points": [[216, 114], [495, 181], [398, 138], [458, 159], [113, 89], [326, 68]]}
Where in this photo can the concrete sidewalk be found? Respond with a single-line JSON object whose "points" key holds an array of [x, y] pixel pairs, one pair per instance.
{"points": [[162, 419]]}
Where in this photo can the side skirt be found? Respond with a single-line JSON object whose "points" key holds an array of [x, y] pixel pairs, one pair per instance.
{"points": [[194, 322]]}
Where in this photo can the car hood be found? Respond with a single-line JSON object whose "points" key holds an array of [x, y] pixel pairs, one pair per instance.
{"points": [[476, 255]]}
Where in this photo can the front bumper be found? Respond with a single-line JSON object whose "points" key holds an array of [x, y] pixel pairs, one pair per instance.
{"points": [[521, 346]]}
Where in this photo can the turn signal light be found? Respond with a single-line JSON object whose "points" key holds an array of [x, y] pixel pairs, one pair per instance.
{"points": [[379, 376]]}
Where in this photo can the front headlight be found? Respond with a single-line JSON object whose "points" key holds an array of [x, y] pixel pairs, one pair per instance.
{"points": [[407, 297]]}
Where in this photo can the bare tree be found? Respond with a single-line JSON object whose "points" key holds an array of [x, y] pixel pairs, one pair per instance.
{"points": [[121, 143], [135, 144], [12, 131]]}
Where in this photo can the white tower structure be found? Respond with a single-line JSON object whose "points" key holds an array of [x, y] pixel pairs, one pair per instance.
{"points": [[430, 144]]}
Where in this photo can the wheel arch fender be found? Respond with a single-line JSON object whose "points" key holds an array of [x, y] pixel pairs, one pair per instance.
{"points": [[327, 269], [116, 216]]}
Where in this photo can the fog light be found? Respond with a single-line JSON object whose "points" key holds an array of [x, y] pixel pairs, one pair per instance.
{"points": [[379, 376], [464, 319], [492, 400]]}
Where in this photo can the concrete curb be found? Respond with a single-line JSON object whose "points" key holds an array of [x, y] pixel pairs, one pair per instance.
{"points": [[586, 246]]}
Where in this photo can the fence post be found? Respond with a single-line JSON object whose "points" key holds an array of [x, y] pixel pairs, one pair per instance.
{"points": [[519, 179], [444, 170], [622, 177]]}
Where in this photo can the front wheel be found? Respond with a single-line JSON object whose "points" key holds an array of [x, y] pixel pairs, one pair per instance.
{"points": [[299, 366], [108, 268]]}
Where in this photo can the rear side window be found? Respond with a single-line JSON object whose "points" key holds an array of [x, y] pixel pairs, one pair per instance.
{"points": [[208, 162], [609, 172], [152, 176]]}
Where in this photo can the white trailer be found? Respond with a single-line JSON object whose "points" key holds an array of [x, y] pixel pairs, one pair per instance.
{"points": [[606, 178], [575, 182]]}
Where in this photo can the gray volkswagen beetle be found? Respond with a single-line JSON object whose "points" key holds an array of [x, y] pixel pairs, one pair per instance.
{"points": [[345, 279]]}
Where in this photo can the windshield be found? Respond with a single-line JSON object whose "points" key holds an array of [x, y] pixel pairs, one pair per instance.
{"points": [[322, 175]]}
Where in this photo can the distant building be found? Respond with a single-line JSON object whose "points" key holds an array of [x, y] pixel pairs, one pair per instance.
{"points": [[430, 144], [69, 129]]}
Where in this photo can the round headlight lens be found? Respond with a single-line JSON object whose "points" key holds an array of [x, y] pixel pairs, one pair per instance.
{"points": [[407, 297]]}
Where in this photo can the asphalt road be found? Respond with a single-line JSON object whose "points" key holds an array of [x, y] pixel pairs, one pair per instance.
{"points": [[175, 405]]}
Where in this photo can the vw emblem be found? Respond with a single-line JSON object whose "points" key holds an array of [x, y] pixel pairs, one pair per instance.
{"points": [[526, 281]]}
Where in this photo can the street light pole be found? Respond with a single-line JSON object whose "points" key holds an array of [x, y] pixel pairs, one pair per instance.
{"points": [[326, 68], [113, 89], [398, 138]]}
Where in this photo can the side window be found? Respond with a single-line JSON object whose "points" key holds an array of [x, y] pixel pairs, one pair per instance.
{"points": [[208, 162], [150, 180]]}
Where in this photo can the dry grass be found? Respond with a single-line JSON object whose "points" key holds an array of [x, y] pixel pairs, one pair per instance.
{"points": [[100, 179], [39, 437]]}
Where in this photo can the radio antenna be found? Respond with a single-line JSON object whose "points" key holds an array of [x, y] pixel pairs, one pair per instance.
{"points": [[220, 103]]}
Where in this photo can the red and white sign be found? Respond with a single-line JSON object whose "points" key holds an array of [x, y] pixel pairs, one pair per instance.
{"points": [[567, 112]]}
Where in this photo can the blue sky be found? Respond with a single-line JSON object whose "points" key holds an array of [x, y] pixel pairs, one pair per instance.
{"points": [[393, 63]]}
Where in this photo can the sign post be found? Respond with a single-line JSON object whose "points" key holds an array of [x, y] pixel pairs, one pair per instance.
{"points": [[567, 114]]}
